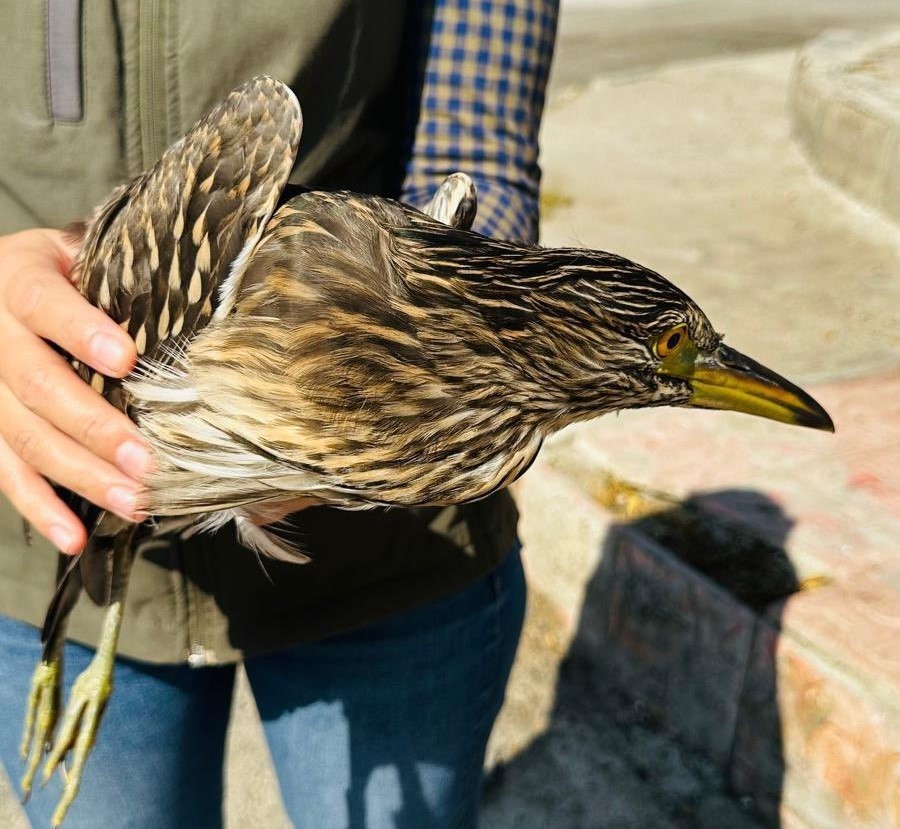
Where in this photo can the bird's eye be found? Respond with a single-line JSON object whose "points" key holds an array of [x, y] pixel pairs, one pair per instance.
{"points": [[671, 341]]}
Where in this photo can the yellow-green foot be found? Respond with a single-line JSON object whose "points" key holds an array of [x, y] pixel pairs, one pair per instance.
{"points": [[40, 718], [78, 730]]}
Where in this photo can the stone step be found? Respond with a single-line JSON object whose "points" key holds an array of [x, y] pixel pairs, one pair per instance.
{"points": [[845, 102]]}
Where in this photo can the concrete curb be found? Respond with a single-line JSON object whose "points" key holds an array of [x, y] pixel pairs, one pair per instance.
{"points": [[846, 113]]}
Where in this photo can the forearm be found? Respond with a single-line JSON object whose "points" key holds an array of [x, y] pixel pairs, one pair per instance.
{"points": [[483, 73]]}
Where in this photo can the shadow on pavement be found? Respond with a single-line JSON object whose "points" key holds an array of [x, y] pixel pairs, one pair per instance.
{"points": [[666, 711]]}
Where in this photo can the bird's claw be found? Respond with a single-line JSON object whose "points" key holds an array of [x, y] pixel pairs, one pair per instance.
{"points": [[78, 730], [41, 716]]}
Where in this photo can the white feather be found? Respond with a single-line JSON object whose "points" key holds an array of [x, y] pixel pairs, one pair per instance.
{"points": [[266, 542]]}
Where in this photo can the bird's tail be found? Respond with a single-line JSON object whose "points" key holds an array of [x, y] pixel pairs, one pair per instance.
{"points": [[93, 569], [68, 589]]}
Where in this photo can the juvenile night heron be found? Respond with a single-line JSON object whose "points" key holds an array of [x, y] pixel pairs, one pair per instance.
{"points": [[348, 349]]}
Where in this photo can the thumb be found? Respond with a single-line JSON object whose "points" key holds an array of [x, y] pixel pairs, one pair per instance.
{"points": [[65, 244]]}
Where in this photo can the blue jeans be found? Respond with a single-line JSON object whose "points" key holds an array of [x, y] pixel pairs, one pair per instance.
{"points": [[381, 727]]}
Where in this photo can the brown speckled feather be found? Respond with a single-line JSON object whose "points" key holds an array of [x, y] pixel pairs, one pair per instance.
{"points": [[157, 252], [166, 251], [342, 374], [377, 357]]}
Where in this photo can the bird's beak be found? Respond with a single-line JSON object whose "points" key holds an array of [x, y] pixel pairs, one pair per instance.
{"points": [[726, 379]]}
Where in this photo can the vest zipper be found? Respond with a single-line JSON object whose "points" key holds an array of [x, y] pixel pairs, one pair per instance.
{"points": [[152, 81], [155, 19]]}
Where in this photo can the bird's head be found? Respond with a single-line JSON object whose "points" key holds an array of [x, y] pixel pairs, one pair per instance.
{"points": [[621, 336], [585, 332]]}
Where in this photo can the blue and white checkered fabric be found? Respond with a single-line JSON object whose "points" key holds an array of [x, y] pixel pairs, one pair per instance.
{"points": [[484, 78]]}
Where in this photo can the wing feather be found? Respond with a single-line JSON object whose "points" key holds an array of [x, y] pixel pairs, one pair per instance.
{"points": [[158, 252]]}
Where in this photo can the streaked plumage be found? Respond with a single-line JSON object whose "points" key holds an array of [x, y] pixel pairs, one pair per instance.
{"points": [[354, 350], [376, 357]]}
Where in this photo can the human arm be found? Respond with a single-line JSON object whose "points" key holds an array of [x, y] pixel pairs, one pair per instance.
{"points": [[482, 75]]}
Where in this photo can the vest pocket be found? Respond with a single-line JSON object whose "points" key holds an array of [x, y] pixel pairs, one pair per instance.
{"points": [[64, 65]]}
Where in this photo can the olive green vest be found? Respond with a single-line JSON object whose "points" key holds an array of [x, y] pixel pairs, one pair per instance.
{"points": [[91, 94]]}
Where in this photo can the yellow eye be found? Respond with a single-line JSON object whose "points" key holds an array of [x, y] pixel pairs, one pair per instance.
{"points": [[671, 341]]}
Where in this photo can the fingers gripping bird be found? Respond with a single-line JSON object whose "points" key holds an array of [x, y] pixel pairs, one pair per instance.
{"points": [[348, 349]]}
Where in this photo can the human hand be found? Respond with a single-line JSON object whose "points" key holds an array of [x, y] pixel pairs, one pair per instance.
{"points": [[52, 424]]}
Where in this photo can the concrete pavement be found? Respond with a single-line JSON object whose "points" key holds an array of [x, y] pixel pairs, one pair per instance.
{"points": [[601, 37]]}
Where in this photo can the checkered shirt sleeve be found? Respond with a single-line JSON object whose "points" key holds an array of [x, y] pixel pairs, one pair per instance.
{"points": [[483, 78]]}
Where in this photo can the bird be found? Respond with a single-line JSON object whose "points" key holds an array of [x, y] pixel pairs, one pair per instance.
{"points": [[348, 349]]}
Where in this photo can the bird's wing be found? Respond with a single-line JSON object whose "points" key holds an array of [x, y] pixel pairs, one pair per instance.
{"points": [[455, 202], [323, 406], [167, 252]]}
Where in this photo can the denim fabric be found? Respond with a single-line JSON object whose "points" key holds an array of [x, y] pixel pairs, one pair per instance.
{"points": [[381, 727]]}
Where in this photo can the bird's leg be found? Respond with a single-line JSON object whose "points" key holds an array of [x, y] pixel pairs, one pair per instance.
{"points": [[91, 690], [42, 711]]}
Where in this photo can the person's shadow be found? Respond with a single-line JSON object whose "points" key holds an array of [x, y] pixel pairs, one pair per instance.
{"points": [[671, 677]]}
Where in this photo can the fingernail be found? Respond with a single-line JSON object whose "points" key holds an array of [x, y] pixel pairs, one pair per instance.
{"points": [[109, 353], [123, 501], [61, 537], [134, 458]]}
